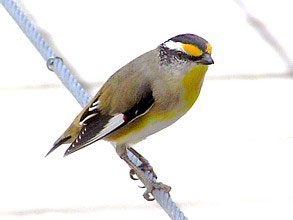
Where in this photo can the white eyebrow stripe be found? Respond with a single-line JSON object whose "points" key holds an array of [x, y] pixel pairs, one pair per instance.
{"points": [[174, 45]]}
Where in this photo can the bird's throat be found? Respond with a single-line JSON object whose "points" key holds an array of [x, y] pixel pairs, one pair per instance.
{"points": [[192, 83]]}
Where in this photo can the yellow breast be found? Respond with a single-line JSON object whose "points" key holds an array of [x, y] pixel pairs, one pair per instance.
{"points": [[192, 82], [154, 121]]}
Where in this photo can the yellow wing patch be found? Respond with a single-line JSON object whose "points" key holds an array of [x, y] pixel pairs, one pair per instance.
{"points": [[192, 50]]}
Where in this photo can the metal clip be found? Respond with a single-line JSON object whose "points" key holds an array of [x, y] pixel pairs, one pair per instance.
{"points": [[51, 61]]}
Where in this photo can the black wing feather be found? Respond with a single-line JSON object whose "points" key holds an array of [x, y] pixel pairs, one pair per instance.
{"points": [[94, 122]]}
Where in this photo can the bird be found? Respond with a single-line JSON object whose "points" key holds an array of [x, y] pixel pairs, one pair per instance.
{"points": [[145, 96]]}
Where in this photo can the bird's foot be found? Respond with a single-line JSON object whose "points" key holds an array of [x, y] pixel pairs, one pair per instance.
{"points": [[155, 186], [145, 166], [149, 183]]}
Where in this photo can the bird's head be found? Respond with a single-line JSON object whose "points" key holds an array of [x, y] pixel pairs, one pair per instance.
{"points": [[186, 48]]}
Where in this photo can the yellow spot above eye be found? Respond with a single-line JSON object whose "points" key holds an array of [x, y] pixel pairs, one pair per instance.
{"points": [[209, 49], [192, 50]]}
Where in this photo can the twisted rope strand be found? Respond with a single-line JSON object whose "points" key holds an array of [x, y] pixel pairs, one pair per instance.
{"points": [[77, 91], [46, 51]]}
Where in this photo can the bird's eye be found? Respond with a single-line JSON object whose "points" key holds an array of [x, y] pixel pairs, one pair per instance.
{"points": [[180, 55]]}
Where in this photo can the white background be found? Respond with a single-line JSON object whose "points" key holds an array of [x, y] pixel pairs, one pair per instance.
{"points": [[230, 157]]}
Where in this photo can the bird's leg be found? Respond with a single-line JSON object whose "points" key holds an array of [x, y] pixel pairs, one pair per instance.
{"points": [[149, 183], [145, 165]]}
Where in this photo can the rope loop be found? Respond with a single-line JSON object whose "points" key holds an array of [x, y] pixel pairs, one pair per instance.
{"points": [[51, 62]]}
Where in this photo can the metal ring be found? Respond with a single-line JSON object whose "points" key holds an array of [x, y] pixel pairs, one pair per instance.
{"points": [[51, 61]]}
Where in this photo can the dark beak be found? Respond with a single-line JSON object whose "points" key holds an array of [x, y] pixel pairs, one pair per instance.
{"points": [[206, 59]]}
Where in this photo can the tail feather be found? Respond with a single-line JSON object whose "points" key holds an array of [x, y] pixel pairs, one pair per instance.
{"points": [[88, 132], [67, 137], [59, 142]]}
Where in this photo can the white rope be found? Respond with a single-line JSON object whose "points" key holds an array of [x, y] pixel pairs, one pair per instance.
{"points": [[56, 64]]}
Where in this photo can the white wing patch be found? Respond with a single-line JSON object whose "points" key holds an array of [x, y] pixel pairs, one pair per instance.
{"points": [[87, 118], [94, 105], [112, 124]]}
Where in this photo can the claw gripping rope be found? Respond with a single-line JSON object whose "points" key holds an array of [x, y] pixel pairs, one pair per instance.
{"points": [[56, 64]]}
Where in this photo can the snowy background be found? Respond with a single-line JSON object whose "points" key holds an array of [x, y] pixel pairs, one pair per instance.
{"points": [[230, 157]]}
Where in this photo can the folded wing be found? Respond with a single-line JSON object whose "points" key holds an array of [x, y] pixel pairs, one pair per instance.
{"points": [[96, 125]]}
